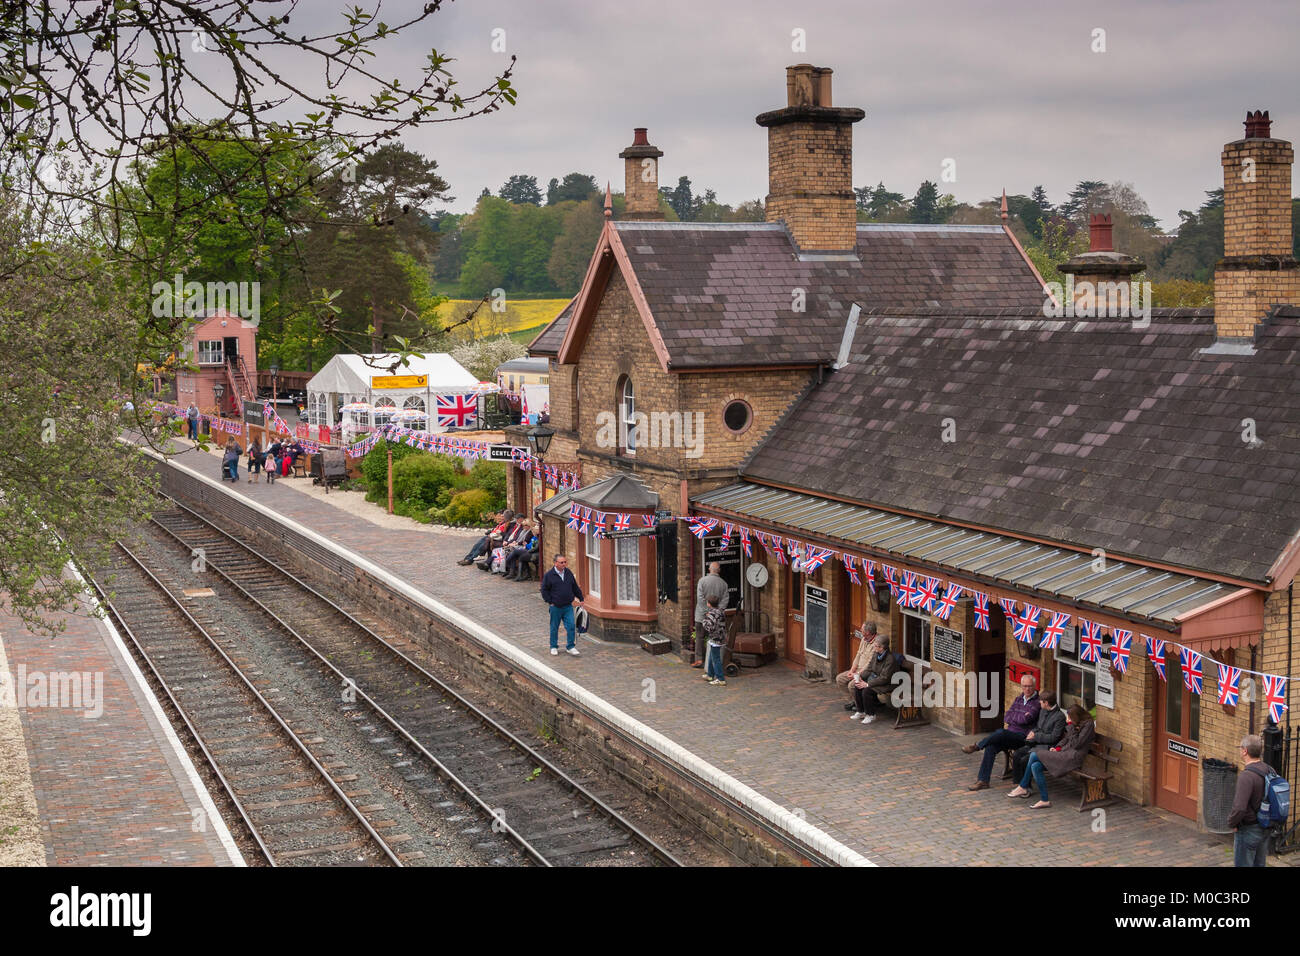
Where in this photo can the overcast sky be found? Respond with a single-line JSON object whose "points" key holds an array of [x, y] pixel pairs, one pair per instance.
{"points": [[1010, 90]]}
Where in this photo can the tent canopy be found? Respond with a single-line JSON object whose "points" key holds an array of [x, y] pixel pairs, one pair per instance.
{"points": [[351, 374]]}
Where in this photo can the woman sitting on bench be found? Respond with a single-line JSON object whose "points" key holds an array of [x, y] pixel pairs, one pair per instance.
{"points": [[517, 558], [1059, 760]]}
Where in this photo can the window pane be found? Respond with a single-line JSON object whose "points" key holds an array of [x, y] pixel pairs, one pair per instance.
{"points": [[1194, 716], [1173, 695], [627, 557], [593, 564]]}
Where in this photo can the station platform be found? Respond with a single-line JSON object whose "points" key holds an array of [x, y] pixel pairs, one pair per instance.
{"points": [[896, 797], [95, 775]]}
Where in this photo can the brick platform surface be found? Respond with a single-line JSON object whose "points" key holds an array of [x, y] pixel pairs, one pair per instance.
{"points": [[111, 790], [896, 796]]}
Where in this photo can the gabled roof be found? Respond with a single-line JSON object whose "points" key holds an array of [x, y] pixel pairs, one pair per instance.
{"points": [[350, 374], [1091, 433], [728, 294], [548, 341], [620, 491]]}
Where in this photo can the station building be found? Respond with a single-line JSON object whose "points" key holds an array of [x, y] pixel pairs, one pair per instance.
{"points": [[897, 396]]}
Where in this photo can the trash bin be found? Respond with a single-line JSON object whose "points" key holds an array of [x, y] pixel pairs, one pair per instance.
{"points": [[1218, 787]]}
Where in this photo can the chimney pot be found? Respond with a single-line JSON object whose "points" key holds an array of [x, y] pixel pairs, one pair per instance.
{"points": [[639, 137], [1258, 125], [1099, 233]]}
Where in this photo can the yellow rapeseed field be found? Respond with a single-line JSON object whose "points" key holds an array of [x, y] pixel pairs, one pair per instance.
{"points": [[519, 314]]}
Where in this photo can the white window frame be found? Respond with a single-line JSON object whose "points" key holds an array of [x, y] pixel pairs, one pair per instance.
{"points": [[417, 402], [384, 410], [927, 637], [627, 416], [593, 563], [209, 351], [1070, 659], [620, 562]]}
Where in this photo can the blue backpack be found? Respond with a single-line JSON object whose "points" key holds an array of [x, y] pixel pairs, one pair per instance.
{"points": [[1276, 803]]}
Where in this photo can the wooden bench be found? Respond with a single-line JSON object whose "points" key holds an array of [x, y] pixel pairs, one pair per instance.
{"points": [[911, 713], [1105, 753]]}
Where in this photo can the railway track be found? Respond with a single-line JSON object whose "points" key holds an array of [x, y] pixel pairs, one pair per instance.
{"points": [[552, 818], [297, 812]]}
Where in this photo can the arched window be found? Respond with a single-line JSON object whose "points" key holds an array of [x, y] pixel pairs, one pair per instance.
{"points": [[385, 409], [420, 423], [627, 436]]}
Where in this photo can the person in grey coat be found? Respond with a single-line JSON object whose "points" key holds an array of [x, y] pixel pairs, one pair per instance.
{"points": [[710, 586]]}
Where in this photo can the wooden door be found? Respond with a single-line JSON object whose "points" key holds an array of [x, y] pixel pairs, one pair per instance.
{"points": [[1178, 729], [794, 616]]}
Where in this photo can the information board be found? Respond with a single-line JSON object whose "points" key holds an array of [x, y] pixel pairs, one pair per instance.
{"points": [[816, 608], [946, 646], [728, 556]]}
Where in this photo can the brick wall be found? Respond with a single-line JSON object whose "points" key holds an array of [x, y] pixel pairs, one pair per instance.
{"points": [[810, 184]]}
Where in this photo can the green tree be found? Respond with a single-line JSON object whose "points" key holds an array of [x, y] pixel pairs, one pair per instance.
{"points": [[681, 199], [573, 248], [575, 187], [925, 205], [521, 189]]}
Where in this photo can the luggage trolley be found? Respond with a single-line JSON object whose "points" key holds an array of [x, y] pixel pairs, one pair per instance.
{"points": [[750, 641]]}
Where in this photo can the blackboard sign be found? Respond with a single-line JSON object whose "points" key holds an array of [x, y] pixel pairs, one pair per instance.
{"points": [[253, 413], [816, 606], [729, 558], [946, 646]]}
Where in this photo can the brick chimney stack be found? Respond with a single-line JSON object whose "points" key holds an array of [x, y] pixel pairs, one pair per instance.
{"points": [[810, 163], [641, 178], [1258, 269], [1101, 263]]}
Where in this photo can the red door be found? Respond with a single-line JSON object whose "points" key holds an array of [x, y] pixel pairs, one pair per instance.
{"points": [[1178, 730]]}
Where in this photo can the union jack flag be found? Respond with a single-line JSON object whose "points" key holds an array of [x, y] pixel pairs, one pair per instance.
{"points": [[600, 518], [700, 527], [1120, 647], [1008, 606], [1156, 655], [948, 603], [623, 522], [648, 521], [1275, 694], [1229, 685], [849, 566], [891, 578], [776, 541], [550, 474], [1191, 664], [981, 610], [1090, 640], [1054, 630], [586, 521], [871, 575], [1025, 624], [780, 556], [727, 528], [744, 543], [911, 592], [458, 410], [815, 559], [575, 517], [929, 593]]}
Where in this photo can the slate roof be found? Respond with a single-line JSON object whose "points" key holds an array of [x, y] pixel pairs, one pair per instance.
{"points": [[550, 338], [1085, 432], [723, 293]]}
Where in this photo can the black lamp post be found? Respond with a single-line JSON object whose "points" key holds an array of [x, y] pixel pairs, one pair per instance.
{"points": [[539, 439], [218, 393], [275, 371]]}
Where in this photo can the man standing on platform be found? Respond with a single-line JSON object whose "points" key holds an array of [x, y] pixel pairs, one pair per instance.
{"points": [[561, 591], [192, 421], [711, 586]]}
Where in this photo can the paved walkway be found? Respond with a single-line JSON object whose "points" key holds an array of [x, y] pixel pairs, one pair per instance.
{"points": [[112, 786], [895, 796]]}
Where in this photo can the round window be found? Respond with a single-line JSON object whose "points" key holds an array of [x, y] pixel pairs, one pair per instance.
{"points": [[736, 415]]}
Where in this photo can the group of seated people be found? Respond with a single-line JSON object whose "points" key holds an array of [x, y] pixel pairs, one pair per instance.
{"points": [[278, 459], [508, 548], [1043, 740]]}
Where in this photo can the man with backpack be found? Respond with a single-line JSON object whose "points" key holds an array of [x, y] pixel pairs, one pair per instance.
{"points": [[1261, 801]]}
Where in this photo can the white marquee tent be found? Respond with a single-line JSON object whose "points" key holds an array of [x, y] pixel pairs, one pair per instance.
{"points": [[375, 395]]}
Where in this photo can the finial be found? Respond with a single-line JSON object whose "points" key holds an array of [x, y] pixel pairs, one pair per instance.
{"points": [[609, 202], [1004, 205]]}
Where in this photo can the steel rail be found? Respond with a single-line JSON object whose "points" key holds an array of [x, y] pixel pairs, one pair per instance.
{"points": [[302, 747], [658, 852]]}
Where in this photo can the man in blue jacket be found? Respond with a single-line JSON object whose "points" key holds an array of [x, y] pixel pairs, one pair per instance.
{"points": [[561, 591]]}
